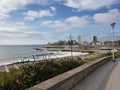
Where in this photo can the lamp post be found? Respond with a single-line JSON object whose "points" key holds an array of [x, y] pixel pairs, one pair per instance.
{"points": [[113, 25]]}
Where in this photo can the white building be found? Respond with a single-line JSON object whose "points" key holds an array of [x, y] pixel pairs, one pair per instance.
{"points": [[79, 39]]}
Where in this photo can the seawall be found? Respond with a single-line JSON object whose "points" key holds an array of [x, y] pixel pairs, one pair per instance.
{"points": [[70, 78]]}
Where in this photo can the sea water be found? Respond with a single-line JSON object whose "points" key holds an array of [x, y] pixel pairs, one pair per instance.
{"points": [[15, 53]]}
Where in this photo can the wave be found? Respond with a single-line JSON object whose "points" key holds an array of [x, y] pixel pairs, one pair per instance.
{"points": [[57, 54]]}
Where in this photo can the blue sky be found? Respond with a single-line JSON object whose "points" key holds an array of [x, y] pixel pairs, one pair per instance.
{"points": [[28, 22]]}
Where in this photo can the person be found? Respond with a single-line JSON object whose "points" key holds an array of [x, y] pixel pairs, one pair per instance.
{"points": [[113, 54]]}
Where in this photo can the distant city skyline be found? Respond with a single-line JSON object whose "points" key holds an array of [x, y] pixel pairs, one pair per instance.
{"points": [[94, 42], [30, 22]]}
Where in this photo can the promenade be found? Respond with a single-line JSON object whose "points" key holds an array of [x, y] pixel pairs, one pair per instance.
{"points": [[107, 77]]}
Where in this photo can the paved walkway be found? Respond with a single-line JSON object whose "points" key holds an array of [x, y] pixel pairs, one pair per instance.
{"points": [[107, 77], [6, 68]]}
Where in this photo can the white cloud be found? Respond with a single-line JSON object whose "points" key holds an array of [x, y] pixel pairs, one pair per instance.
{"points": [[109, 17], [2, 16], [31, 15], [11, 30], [49, 22], [19, 33], [59, 26], [74, 22], [77, 21], [69, 24], [7, 6], [63, 31], [89, 4], [53, 8]]}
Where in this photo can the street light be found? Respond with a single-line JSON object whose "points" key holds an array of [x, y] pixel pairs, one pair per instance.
{"points": [[113, 25]]}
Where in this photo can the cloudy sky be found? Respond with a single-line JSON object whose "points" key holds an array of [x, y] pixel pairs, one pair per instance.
{"points": [[42, 21]]}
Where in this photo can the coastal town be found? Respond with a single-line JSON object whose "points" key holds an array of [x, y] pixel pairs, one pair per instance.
{"points": [[94, 44]]}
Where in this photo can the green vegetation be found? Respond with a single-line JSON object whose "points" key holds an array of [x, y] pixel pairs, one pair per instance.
{"points": [[8, 79], [96, 57], [30, 74], [117, 53]]}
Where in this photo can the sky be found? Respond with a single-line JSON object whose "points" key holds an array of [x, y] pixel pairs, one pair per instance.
{"points": [[30, 22]]}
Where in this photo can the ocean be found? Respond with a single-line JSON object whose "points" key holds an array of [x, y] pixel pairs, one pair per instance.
{"points": [[15, 53]]}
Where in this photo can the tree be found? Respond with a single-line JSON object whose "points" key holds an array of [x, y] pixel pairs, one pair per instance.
{"points": [[71, 47]]}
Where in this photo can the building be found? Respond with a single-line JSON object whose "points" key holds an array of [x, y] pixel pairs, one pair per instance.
{"points": [[95, 39], [110, 43], [79, 39]]}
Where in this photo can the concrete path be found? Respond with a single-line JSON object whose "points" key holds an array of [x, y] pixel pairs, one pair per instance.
{"points": [[16, 66], [6, 68], [107, 77]]}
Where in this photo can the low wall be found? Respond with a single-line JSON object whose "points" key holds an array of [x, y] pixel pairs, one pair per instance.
{"points": [[69, 79]]}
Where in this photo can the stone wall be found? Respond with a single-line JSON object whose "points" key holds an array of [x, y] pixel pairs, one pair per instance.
{"points": [[69, 79]]}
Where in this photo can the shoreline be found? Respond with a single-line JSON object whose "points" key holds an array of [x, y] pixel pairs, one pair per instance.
{"points": [[16, 65]]}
